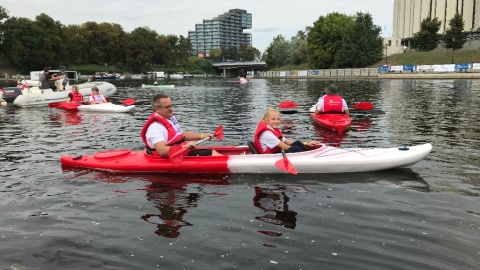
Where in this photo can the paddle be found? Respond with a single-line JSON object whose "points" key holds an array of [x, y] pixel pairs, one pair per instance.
{"points": [[285, 165], [128, 101], [176, 152], [287, 104]]}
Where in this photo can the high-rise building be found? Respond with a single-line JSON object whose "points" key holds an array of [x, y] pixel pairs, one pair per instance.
{"points": [[221, 32], [408, 15]]}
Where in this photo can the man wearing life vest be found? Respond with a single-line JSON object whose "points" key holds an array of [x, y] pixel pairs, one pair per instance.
{"points": [[74, 95], [162, 130], [269, 139], [332, 102]]}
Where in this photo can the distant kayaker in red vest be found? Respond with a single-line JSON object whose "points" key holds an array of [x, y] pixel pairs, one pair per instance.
{"points": [[74, 95], [162, 130], [331, 102], [269, 139]]}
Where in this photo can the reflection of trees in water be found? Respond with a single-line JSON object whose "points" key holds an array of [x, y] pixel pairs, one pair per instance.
{"points": [[172, 202], [274, 201]]}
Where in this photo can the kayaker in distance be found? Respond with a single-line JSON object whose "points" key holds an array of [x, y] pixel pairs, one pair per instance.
{"points": [[74, 95], [155, 83], [331, 102], [95, 97], [269, 138], [162, 130]]}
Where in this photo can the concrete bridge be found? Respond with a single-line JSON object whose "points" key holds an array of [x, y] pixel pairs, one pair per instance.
{"points": [[233, 68]]}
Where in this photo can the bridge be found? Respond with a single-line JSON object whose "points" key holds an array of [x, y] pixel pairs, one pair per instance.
{"points": [[233, 68]]}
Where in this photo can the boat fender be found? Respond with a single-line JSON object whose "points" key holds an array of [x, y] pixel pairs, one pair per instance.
{"points": [[404, 148]]}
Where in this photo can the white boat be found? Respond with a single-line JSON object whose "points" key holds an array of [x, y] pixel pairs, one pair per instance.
{"points": [[158, 85], [106, 107], [176, 76], [34, 96], [239, 159], [136, 76]]}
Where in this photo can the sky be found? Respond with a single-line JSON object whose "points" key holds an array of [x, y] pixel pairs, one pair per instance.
{"points": [[269, 17]]}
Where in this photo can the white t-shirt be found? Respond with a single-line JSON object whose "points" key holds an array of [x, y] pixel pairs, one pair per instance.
{"points": [[320, 104], [157, 132], [97, 98], [269, 140]]}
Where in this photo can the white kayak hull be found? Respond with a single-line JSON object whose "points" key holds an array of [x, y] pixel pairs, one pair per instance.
{"points": [[329, 159], [158, 86], [106, 107], [40, 99]]}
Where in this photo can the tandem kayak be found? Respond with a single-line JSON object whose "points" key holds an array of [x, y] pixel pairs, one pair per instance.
{"points": [[158, 86], [239, 159], [332, 121]]}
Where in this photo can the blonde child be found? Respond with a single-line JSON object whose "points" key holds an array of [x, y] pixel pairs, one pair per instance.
{"points": [[269, 138]]}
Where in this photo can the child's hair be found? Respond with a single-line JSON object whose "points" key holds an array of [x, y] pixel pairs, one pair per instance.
{"points": [[95, 89], [266, 114]]}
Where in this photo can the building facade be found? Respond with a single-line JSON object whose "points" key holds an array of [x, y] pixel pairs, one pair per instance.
{"points": [[408, 15], [221, 32]]}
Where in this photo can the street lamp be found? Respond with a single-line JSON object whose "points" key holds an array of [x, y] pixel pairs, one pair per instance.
{"points": [[386, 55]]}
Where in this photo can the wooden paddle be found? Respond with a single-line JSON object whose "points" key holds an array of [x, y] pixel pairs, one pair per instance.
{"points": [[285, 165], [177, 152]]}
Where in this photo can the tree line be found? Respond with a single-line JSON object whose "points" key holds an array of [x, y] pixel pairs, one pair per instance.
{"points": [[32, 44]]}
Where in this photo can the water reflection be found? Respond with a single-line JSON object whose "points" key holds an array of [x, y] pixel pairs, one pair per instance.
{"points": [[65, 118]]}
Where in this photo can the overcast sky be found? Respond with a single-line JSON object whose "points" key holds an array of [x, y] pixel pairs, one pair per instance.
{"points": [[269, 17]]}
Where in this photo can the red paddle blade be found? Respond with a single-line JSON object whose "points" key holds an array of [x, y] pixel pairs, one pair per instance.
{"points": [[287, 104], [54, 104], [219, 132], [366, 106], [128, 101], [176, 153], [285, 165]]}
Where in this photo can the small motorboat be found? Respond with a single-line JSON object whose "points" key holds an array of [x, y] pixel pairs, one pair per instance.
{"points": [[158, 85], [242, 159], [337, 122]]}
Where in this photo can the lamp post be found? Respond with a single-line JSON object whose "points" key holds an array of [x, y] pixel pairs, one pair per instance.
{"points": [[386, 55]]}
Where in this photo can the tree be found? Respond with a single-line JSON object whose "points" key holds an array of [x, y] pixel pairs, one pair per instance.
{"points": [[248, 53], [276, 54], [454, 37], [298, 49], [216, 54], [3, 18], [325, 39], [362, 45], [231, 53], [427, 38]]}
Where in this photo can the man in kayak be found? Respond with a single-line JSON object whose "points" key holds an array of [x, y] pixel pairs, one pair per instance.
{"points": [[331, 102], [162, 130], [269, 139], [74, 95]]}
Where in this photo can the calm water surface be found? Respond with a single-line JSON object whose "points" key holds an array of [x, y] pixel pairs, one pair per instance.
{"points": [[423, 217]]}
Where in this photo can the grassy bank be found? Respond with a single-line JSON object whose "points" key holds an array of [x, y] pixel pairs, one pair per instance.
{"points": [[412, 58]]}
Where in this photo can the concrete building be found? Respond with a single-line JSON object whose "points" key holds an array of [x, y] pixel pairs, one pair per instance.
{"points": [[408, 15], [221, 32]]}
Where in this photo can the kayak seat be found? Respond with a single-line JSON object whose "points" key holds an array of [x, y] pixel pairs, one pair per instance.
{"points": [[251, 145], [149, 151]]}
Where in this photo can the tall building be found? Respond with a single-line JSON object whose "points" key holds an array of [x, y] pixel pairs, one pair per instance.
{"points": [[221, 32], [408, 15]]}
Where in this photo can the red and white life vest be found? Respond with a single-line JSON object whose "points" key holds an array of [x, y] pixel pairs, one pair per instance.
{"points": [[332, 104], [173, 136], [260, 129]]}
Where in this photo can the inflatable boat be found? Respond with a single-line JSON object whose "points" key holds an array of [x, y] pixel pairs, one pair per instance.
{"points": [[240, 159]]}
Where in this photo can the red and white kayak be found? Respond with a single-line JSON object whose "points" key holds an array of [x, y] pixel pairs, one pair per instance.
{"points": [[332, 121], [239, 159]]}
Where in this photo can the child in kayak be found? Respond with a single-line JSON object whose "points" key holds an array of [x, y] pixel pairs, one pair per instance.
{"points": [[269, 138], [95, 97]]}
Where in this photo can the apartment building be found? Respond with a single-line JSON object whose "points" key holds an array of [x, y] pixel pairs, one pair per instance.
{"points": [[408, 15], [221, 32]]}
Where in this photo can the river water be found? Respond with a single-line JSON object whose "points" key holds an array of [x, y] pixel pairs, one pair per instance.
{"points": [[423, 217]]}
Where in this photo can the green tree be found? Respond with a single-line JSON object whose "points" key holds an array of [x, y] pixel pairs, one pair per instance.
{"points": [[454, 37], [298, 49], [140, 44], [231, 53], [3, 18], [427, 38], [362, 44], [276, 53], [248, 53], [216, 54], [326, 38]]}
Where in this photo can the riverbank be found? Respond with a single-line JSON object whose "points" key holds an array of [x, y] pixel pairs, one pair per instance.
{"points": [[366, 73]]}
